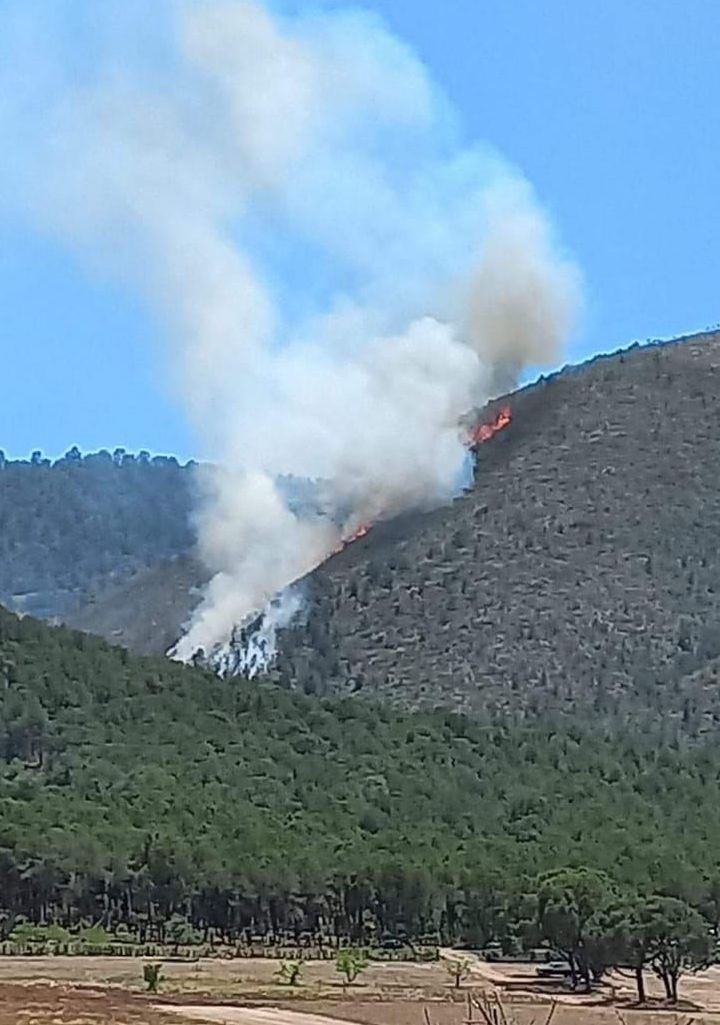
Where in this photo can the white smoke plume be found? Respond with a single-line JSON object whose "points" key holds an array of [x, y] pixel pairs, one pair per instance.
{"points": [[251, 648], [339, 278]]}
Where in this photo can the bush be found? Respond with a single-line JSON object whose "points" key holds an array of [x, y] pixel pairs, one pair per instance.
{"points": [[94, 935], [152, 974], [179, 931], [289, 972], [350, 963], [26, 933]]}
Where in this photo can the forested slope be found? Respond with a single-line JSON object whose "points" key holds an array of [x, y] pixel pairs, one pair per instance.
{"points": [[147, 611], [582, 569], [73, 526], [582, 566], [133, 789]]}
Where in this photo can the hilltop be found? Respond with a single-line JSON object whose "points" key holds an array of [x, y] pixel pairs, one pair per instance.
{"points": [[580, 569], [76, 525]]}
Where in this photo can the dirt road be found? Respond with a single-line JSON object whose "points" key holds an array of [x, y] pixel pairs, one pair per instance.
{"points": [[111, 991], [247, 1015]]}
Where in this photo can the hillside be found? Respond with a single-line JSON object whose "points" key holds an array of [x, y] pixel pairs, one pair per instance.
{"points": [[134, 791], [71, 527], [147, 611], [581, 570], [581, 567]]}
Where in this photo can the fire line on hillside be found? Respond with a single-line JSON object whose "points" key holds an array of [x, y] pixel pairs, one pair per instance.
{"points": [[476, 436], [485, 431], [355, 536], [252, 645]]}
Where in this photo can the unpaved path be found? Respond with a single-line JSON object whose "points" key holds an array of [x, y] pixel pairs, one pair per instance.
{"points": [[224, 1015], [499, 974], [520, 979]]}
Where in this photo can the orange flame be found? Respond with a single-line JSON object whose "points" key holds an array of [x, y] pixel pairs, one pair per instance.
{"points": [[361, 531], [476, 435], [483, 432]]}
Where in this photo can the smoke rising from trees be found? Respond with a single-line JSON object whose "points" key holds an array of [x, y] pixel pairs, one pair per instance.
{"points": [[340, 277]]}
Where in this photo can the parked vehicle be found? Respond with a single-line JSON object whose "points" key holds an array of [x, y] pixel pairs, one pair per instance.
{"points": [[554, 970]]}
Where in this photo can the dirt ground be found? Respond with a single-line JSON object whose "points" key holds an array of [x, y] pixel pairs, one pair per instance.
{"points": [[110, 991]]}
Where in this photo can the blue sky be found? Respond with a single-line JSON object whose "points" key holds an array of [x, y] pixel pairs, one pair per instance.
{"points": [[610, 109]]}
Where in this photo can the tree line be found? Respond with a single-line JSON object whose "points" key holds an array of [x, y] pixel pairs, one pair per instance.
{"points": [[577, 913], [596, 926], [148, 798], [71, 526]]}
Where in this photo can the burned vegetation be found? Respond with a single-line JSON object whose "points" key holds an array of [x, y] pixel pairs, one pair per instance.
{"points": [[582, 568]]}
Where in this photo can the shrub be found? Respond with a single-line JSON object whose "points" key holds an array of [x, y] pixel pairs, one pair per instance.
{"points": [[152, 974], [458, 969], [350, 963], [289, 972]]}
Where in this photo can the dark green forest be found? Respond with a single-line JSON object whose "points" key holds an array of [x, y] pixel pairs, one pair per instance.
{"points": [[136, 792], [69, 526]]}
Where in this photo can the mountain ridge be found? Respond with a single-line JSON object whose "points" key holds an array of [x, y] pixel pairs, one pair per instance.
{"points": [[582, 561], [616, 455], [70, 527]]}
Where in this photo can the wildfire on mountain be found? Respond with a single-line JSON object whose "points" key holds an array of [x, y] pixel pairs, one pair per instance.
{"points": [[475, 436], [483, 432], [355, 536], [360, 532]]}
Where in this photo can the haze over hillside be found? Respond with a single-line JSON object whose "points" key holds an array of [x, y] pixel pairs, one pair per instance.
{"points": [[582, 564], [73, 526]]}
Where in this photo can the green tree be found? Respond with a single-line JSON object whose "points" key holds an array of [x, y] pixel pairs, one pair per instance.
{"points": [[618, 936], [661, 933], [567, 900], [152, 974], [679, 940], [350, 963], [458, 969]]}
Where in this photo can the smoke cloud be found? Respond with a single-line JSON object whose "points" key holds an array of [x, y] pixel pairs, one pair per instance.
{"points": [[340, 280]]}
